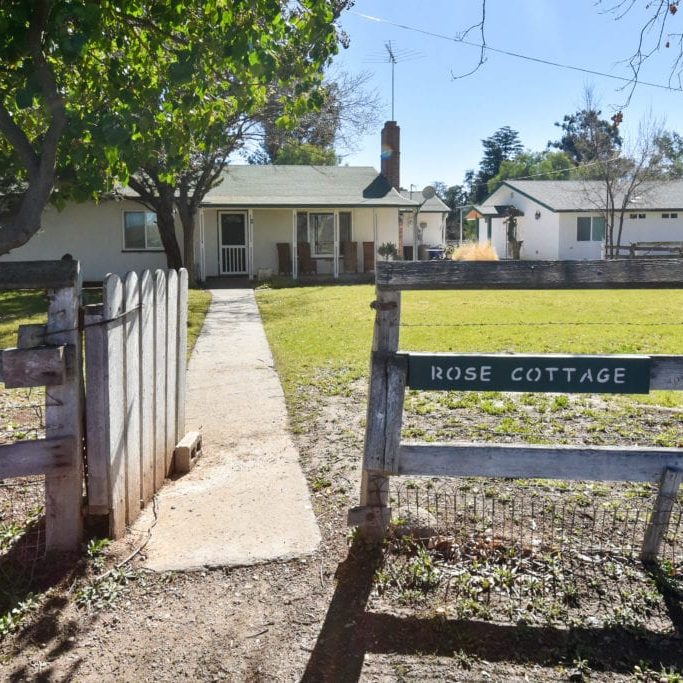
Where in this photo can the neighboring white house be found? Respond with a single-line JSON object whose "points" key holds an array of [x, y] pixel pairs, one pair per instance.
{"points": [[431, 221], [330, 219], [563, 220]]}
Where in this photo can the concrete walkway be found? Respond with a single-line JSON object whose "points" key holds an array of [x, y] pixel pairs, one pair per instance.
{"points": [[246, 501]]}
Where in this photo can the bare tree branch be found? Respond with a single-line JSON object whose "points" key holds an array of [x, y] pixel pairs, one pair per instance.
{"points": [[481, 25]]}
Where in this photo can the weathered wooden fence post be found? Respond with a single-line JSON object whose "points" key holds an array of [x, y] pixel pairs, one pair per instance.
{"points": [[64, 417], [661, 513], [373, 514]]}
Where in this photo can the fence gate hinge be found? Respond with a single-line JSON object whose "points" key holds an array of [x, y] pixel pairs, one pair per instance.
{"points": [[380, 306]]}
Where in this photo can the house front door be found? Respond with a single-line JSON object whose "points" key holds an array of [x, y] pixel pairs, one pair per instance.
{"points": [[233, 243]]}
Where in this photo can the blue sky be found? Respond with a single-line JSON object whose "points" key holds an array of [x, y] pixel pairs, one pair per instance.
{"points": [[443, 120]]}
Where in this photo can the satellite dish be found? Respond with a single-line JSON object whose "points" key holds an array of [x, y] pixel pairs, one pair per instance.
{"points": [[428, 192]]}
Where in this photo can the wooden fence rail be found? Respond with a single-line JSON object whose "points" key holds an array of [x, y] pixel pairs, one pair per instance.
{"points": [[390, 373], [136, 345]]}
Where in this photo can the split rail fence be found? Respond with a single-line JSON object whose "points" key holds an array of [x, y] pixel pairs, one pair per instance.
{"points": [[385, 455], [111, 436]]}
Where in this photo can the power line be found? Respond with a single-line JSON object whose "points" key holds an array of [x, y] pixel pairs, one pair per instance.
{"points": [[517, 55]]}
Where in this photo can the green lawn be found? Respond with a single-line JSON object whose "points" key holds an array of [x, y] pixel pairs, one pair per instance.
{"points": [[310, 328], [22, 307]]}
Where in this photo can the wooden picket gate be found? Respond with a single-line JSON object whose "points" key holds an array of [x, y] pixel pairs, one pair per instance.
{"points": [[136, 346], [50, 355], [391, 372]]}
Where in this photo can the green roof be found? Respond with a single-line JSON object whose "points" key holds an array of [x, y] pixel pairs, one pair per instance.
{"points": [[304, 186]]}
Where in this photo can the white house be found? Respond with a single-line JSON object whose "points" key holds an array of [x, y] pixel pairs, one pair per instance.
{"points": [[326, 220], [293, 220], [431, 225], [563, 220]]}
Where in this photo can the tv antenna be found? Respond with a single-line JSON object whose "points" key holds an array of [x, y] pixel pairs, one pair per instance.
{"points": [[393, 56]]}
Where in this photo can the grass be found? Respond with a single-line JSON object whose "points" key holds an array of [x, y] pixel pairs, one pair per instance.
{"points": [[330, 328], [25, 307]]}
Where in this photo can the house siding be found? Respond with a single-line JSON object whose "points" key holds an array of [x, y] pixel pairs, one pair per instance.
{"points": [[93, 234]]}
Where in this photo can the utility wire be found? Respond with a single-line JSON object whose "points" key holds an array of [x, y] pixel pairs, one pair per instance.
{"points": [[517, 55]]}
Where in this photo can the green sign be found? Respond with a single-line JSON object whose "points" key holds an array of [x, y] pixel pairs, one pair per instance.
{"points": [[550, 373]]}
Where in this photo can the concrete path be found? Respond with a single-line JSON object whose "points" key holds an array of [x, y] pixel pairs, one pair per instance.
{"points": [[246, 501]]}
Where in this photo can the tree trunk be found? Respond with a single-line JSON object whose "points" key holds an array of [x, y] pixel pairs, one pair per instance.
{"points": [[187, 216], [166, 226]]}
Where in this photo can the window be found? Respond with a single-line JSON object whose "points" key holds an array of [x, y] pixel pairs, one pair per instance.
{"points": [[318, 230], [641, 215], [665, 215], [140, 231], [590, 229], [633, 216], [669, 215], [674, 215]]}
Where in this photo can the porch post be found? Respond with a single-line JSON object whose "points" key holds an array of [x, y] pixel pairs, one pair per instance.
{"points": [[295, 259], [202, 253], [250, 243], [335, 258], [374, 237], [415, 235]]}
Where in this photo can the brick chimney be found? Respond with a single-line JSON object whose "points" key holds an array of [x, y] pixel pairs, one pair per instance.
{"points": [[391, 153]]}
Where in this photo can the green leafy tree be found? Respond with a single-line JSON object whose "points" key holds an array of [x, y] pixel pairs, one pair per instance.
{"points": [[670, 147], [63, 64], [153, 93], [302, 153], [504, 144], [547, 165]]}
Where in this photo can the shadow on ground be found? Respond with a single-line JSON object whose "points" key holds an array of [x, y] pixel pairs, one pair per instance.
{"points": [[350, 631]]}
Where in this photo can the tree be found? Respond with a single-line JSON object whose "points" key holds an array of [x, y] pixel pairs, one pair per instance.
{"points": [[64, 63], [223, 86], [502, 145], [348, 109], [586, 137], [301, 153], [456, 198], [155, 91], [670, 147], [546, 165]]}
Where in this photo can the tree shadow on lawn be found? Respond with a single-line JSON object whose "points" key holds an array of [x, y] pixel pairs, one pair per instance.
{"points": [[350, 631]]}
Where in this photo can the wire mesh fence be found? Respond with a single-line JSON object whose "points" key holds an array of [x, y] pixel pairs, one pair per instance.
{"points": [[532, 552]]}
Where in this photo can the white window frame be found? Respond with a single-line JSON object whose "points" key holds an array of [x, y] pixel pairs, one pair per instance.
{"points": [[123, 232]]}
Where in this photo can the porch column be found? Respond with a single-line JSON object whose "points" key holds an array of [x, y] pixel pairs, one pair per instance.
{"points": [[250, 243], [295, 256], [415, 235], [374, 237], [335, 257], [202, 253]]}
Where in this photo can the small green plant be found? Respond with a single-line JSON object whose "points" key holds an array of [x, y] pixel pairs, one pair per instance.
{"points": [[11, 620], [95, 551], [387, 250]]}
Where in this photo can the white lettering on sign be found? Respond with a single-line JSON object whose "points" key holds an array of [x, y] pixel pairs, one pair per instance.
{"points": [[530, 374], [454, 373]]}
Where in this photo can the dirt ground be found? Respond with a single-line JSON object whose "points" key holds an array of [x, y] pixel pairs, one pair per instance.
{"points": [[483, 606]]}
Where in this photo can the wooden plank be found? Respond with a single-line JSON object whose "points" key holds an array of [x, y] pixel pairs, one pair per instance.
{"points": [[64, 418], [171, 366], [147, 384], [96, 414], [597, 463], [131, 359], [397, 371], [53, 457], [375, 425], [666, 373], [30, 336], [159, 378], [445, 274], [39, 274], [181, 354], [661, 514], [37, 367], [116, 435]]}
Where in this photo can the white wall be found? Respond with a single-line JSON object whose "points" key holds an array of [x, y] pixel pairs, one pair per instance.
{"points": [[652, 228], [570, 248], [93, 234]]}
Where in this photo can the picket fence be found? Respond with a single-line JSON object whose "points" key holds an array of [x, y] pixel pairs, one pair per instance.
{"points": [[135, 360]]}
